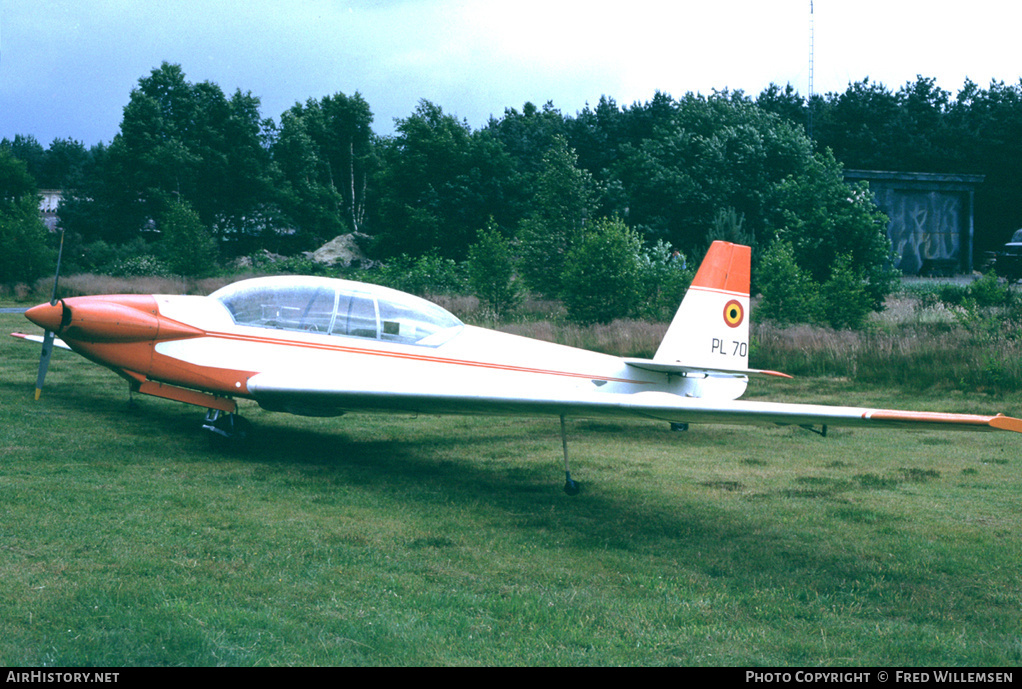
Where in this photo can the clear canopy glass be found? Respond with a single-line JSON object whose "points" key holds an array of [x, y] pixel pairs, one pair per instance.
{"points": [[337, 307]]}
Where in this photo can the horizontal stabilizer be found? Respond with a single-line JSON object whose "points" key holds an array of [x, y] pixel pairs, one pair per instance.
{"points": [[683, 370]]}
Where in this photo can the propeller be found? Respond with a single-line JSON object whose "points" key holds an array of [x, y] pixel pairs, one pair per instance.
{"points": [[48, 336]]}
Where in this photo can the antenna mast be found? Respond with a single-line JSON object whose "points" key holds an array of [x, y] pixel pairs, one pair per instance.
{"points": [[812, 40]]}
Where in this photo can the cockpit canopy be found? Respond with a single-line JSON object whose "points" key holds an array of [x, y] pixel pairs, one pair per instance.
{"points": [[337, 307]]}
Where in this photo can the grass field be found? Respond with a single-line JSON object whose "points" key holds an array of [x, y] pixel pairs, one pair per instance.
{"points": [[366, 540]]}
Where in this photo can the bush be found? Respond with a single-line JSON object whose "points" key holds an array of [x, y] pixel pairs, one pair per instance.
{"points": [[491, 271], [664, 278], [25, 254], [989, 292], [789, 294], [846, 304], [425, 275], [189, 247], [145, 265], [602, 276]]}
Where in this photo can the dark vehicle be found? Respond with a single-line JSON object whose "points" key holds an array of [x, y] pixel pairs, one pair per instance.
{"points": [[1008, 261]]}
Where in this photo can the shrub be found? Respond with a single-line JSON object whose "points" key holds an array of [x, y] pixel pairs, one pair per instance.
{"points": [[846, 303], [789, 294], [491, 271], [664, 277], [190, 248], [989, 292], [145, 265], [602, 274], [425, 275]]}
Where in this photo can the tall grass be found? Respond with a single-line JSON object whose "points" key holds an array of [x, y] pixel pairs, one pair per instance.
{"points": [[916, 344], [89, 283]]}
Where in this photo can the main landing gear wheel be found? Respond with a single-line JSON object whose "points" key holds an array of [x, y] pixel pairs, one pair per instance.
{"points": [[570, 487], [226, 430]]}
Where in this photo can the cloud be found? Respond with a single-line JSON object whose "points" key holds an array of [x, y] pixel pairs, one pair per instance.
{"points": [[67, 69]]}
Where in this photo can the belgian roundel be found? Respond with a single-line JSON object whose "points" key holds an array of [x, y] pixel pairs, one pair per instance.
{"points": [[733, 314]]}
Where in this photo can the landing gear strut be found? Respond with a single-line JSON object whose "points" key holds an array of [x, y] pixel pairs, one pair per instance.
{"points": [[570, 487]]}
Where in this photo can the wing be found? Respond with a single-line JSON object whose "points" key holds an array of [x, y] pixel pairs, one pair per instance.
{"points": [[323, 396]]}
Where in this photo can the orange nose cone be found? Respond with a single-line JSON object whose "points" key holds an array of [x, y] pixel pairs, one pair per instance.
{"points": [[46, 315]]}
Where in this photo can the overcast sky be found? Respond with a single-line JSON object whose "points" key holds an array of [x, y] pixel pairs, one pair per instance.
{"points": [[67, 67]]}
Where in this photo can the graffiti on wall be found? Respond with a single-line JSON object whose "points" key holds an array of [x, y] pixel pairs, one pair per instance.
{"points": [[925, 226]]}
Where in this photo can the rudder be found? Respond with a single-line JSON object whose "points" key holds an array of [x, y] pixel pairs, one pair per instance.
{"points": [[711, 327]]}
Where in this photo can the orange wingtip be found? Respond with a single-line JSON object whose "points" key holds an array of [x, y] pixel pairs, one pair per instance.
{"points": [[1006, 423], [1000, 422], [726, 267]]}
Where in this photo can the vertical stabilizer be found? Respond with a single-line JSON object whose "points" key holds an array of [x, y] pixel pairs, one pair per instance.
{"points": [[711, 328]]}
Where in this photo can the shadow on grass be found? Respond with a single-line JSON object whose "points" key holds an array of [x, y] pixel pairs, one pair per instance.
{"points": [[506, 476]]}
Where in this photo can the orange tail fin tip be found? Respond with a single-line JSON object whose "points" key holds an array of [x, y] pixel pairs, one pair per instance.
{"points": [[726, 267]]}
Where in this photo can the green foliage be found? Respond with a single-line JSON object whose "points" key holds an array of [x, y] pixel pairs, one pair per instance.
{"points": [[103, 257], [24, 250], [989, 291], [664, 278], [790, 295], [705, 155], [991, 312], [986, 292], [678, 170], [846, 304], [423, 275], [602, 277], [491, 271], [824, 219], [190, 142], [299, 264], [324, 150], [142, 265], [26, 254], [729, 226], [565, 200], [439, 183], [189, 248]]}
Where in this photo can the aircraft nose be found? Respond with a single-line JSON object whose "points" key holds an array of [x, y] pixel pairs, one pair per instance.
{"points": [[47, 316]]}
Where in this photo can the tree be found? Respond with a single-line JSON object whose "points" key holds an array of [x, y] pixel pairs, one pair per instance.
{"points": [[29, 151], [823, 219], [785, 103], [188, 245], [846, 303], [664, 279], [491, 271], [527, 134], [565, 200], [325, 150], [790, 295], [602, 276], [439, 182], [187, 141], [26, 255], [712, 154], [861, 125]]}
